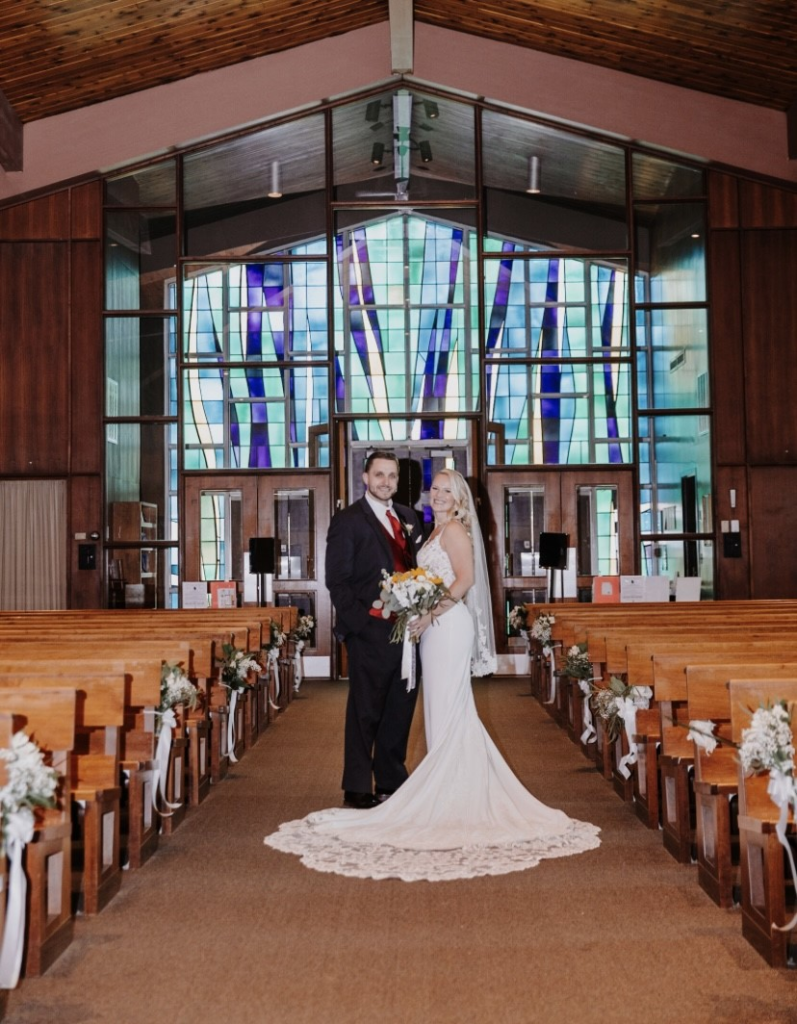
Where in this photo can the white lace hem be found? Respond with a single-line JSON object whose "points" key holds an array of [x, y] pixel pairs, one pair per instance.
{"points": [[326, 853]]}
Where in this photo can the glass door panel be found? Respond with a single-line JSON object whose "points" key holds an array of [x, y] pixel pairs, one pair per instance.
{"points": [[597, 548], [294, 534], [524, 518]]}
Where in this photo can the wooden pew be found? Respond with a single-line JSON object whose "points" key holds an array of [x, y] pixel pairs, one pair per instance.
{"points": [[96, 789], [141, 663], [48, 718], [716, 777], [764, 885], [677, 757]]}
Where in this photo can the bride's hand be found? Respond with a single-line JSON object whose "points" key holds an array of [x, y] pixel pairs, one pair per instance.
{"points": [[418, 626]]}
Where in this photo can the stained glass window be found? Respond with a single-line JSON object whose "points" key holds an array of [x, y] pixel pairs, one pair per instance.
{"points": [[550, 409], [405, 314]]}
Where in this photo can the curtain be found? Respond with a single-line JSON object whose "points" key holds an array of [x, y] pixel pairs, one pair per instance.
{"points": [[33, 548]]}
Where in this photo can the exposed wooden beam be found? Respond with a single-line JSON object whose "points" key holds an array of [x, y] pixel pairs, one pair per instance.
{"points": [[10, 137], [401, 36]]}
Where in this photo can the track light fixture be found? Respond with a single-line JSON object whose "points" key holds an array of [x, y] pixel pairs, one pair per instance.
{"points": [[533, 186], [426, 151], [431, 108], [377, 154], [275, 191]]}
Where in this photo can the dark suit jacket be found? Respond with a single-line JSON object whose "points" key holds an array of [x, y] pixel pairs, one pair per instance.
{"points": [[358, 549]]}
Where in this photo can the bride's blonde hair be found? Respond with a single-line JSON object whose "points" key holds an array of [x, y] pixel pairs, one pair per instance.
{"points": [[461, 495]]}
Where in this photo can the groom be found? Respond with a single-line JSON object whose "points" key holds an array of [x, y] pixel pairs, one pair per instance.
{"points": [[370, 535]]}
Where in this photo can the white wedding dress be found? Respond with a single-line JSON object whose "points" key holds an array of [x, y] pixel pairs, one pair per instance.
{"points": [[462, 813]]}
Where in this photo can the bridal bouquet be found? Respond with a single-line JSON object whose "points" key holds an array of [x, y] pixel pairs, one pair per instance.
{"points": [[408, 595]]}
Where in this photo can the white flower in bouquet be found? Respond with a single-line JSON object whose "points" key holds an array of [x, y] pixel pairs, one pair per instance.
{"points": [[518, 617], [236, 666], [176, 688], [701, 733], [408, 595], [31, 783], [767, 743], [541, 628]]}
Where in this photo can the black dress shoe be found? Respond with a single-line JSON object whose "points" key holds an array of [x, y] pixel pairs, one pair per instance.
{"points": [[383, 794], [361, 801]]}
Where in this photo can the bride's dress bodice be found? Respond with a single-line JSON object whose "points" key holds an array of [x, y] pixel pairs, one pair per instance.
{"points": [[433, 558]]}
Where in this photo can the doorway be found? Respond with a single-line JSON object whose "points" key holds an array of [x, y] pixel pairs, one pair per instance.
{"points": [[592, 510], [224, 512]]}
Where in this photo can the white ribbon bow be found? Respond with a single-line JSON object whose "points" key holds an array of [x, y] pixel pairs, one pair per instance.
{"points": [[548, 653], [162, 755], [297, 665], [273, 668], [408, 660], [782, 793], [19, 832], [627, 709], [589, 733], [231, 726]]}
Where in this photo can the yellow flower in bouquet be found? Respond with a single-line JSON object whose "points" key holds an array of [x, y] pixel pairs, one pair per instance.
{"points": [[408, 595]]}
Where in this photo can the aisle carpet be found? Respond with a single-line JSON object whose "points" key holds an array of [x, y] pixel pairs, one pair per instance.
{"points": [[218, 927]]}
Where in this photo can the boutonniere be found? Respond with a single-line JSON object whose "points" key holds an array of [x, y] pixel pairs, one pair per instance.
{"points": [[408, 528]]}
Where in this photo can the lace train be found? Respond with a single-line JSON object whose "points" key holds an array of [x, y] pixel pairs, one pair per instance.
{"points": [[324, 852]]}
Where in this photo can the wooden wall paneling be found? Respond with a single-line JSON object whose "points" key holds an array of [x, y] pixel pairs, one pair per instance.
{"points": [[87, 363], [723, 200], [732, 582], [726, 348], [769, 323], [44, 218], [86, 210], [85, 586], [34, 368], [763, 206], [773, 510]]}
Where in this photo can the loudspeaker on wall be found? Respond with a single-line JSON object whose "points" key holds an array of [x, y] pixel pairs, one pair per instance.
{"points": [[261, 555], [553, 550]]}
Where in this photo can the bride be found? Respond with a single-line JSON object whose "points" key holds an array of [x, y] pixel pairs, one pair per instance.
{"points": [[462, 813]]}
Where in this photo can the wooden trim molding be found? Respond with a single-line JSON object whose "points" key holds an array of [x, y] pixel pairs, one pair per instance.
{"points": [[10, 137]]}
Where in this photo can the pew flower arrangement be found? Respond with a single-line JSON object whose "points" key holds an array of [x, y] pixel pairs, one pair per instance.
{"points": [[518, 618], [767, 744], [616, 704], [541, 628], [236, 666], [302, 630], [31, 783], [176, 688], [276, 638], [298, 637], [577, 663]]}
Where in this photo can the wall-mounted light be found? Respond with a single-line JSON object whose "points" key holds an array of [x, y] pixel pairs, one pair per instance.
{"points": [[275, 191], [431, 108], [533, 186], [426, 151], [377, 154]]}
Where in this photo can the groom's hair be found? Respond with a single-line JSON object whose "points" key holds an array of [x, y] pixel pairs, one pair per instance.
{"points": [[390, 456]]}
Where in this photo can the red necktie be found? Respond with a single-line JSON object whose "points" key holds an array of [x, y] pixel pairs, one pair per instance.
{"points": [[398, 532]]}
